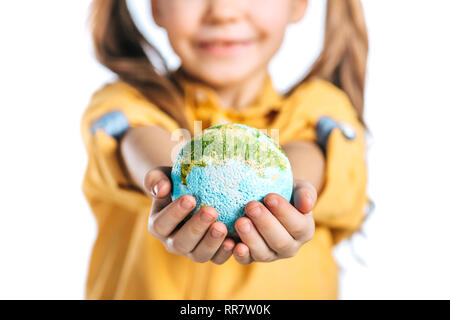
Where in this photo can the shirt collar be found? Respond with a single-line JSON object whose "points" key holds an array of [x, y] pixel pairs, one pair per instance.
{"points": [[201, 96]]}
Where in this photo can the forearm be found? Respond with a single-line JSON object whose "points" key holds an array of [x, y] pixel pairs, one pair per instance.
{"points": [[144, 148], [307, 162]]}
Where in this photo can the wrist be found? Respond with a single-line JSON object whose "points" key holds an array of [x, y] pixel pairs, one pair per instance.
{"points": [[143, 148], [307, 162]]}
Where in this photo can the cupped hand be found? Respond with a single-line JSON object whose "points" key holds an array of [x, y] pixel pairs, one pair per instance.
{"points": [[276, 229], [201, 238]]}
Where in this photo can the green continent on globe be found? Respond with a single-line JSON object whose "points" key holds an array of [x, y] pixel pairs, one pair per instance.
{"points": [[220, 143]]}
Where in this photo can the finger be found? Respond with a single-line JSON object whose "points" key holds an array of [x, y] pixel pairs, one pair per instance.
{"points": [[210, 243], [225, 251], [299, 226], [153, 178], [242, 253], [190, 234], [162, 224], [304, 196], [259, 250], [158, 185], [274, 233]]}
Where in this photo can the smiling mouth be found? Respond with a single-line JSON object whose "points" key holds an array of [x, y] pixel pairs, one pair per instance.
{"points": [[224, 47]]}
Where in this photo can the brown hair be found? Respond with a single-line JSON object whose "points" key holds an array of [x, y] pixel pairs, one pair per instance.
{"points": [[120, 47], [344, 55]]}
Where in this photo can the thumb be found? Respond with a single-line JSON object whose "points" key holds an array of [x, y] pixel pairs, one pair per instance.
{"points": [[304, 196], [157, 182]]}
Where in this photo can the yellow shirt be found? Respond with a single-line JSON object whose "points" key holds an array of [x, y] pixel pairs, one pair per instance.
{"points": [[128, 263]]}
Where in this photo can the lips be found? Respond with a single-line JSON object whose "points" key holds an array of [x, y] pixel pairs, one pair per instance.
{"points": [[224, 46], [223, 42]]}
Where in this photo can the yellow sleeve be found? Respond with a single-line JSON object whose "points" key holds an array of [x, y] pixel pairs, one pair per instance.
{"points": [[105, 178], [342, 204]]}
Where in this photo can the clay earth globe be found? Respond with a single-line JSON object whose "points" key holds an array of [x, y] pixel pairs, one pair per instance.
{"points": [[227, 166]]}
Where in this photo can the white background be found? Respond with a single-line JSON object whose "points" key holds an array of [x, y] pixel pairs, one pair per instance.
{"points": [[47, 74]]}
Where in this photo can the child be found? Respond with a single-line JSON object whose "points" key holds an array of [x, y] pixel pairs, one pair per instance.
{"points": [[225, 48]]}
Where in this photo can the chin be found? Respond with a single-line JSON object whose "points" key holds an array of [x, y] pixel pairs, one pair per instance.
{"points": [[220, 77]]}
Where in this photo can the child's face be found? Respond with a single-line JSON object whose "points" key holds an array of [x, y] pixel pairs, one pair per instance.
{"points": [[225, 41]]}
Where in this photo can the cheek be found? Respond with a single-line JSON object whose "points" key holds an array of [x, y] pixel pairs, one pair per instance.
{"points": [[271, 21], [181, 21]]}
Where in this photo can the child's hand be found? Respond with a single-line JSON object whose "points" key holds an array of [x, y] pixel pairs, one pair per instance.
{"points": [[277, 229], [201, 238]]}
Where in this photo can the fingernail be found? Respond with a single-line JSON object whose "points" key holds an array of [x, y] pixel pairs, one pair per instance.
{"points": [[186, 203], [157, 187], [254, 211], [216, 233], [207, 217], [244, 227], [241, 253], [310, 198], [272, 202], [307, 198]]}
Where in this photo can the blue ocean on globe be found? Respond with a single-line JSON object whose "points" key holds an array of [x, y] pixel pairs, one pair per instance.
{"points": [[227, 166]]}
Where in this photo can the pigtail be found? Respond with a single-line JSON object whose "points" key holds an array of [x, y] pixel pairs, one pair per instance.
{"points": [[344, 55], [343, 59], [120, 47]]}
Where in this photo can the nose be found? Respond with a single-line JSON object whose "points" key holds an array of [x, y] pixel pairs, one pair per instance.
{"points": [[223, 11]]}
